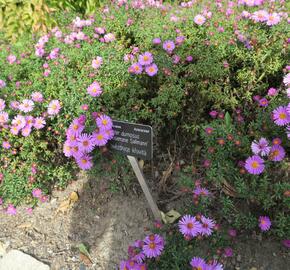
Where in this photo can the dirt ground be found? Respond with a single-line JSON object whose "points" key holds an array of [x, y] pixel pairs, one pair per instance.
{"points": [[107, 223]]}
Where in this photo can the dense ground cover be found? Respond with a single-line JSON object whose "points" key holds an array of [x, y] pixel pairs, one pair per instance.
{"points": [[215, 73]]}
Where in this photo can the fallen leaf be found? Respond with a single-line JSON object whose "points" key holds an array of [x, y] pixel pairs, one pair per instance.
{"points": [[74, 197], [170, 217], [85, 259], [141, 163], [24, 226]]}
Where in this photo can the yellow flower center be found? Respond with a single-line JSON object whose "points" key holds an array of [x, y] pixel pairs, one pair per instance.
{"points": [[282, 115], [189, 225], [152, 245], [84, 161], [85, 143], [255, 164], [104, 122], [100, 137]]}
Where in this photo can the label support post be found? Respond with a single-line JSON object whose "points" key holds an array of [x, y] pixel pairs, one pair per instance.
{"points": [[140, 176]]}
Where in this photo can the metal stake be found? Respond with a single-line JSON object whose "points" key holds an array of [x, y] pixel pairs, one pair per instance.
{"points": [[143, 184]]}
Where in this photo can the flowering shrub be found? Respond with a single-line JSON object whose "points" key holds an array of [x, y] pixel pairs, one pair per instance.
{"points": [[158, 64]]}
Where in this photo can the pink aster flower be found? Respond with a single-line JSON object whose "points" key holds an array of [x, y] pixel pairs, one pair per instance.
{"points": [[280, 116], [255, 165], [260, 16], [135, 68], [85, 162], [36, 192], [6, 145], [11, 59], [4, 116], [104, 122], [286, 79], [199, 19], [198, 263], [151, 70], [264, 223], [75, 128], [2, 104], [273, 19], [153, 245], [145, 59], [277, 153], [14, 105], [71, 138], [37, 97], [110, 133], [96, 63], [109, 37], [168, 46], [85, 143], [95, 89], [189, 226], [26, 131], [26, 105], [39, 122], [272, 92], [100, 138], [29, 120], [54, 107], [261, 147], [11, 210], [232, 232], [14, 130], [156, 41], [2, 84], [67, 149], [19, 121], [207, 226]]}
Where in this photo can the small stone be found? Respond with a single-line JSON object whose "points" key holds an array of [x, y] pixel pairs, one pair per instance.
{"points": [[239, 258], [254, 268], [274, 254], [17, 260], [82, 267]]}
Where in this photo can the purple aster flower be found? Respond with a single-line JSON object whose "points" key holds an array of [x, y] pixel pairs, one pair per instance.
{"points": [[145, 59], [153, 245], [26, 105], [280, 116], [104, 122], [11, 210], [95, 89], [228, 252], [232, 232], [263, 102], [168, 46], [100, 138], [201, 191], [14, 105], [151, 70], [264, 223], [213, 114], [260, 16], [136, 68], [75, 127], [215, 266], [277, 153], [286, 243], [189, 226], [14, 130], [198, 263], [110, 134], [255, 165], [75, 152], [6, 145], [85, 162], [199, 19], [85, 143], [261, 147], [189, 58], [207, 226], [71, 137]]}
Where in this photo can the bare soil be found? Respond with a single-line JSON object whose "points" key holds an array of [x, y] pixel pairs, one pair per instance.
{"points": [[107, 223]]}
